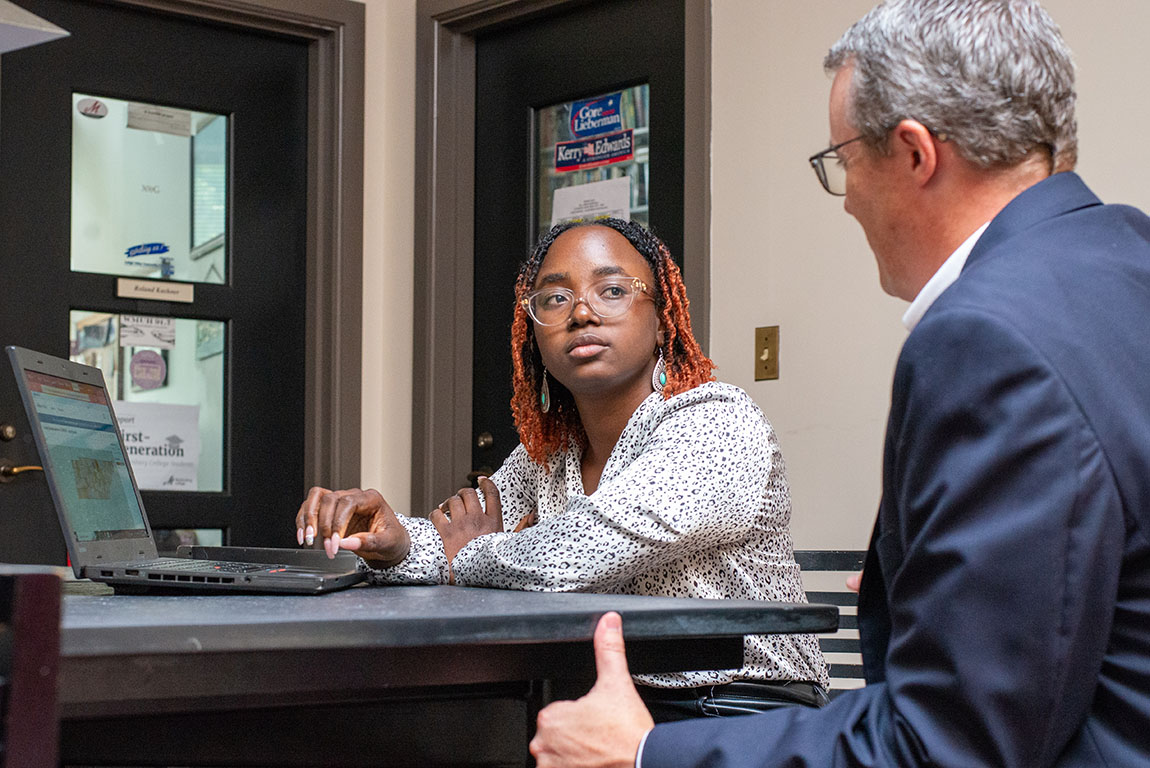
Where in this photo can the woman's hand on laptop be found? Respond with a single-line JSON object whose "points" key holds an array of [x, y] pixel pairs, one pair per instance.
{"points": [[360, 521]]}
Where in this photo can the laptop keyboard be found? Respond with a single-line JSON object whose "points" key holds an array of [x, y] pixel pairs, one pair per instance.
{"points": [[220, 566]]}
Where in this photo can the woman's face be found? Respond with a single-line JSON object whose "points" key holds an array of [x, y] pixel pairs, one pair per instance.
{"points": [[589, 354]]}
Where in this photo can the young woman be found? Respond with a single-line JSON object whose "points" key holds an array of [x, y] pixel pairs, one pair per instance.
{"points": [[637, 472]]}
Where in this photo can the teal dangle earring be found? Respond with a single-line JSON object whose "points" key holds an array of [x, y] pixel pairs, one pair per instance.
{"points": [[659, 375], [545, 394]]}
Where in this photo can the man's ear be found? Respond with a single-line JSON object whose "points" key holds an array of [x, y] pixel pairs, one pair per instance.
{"points": [[915, 146]]}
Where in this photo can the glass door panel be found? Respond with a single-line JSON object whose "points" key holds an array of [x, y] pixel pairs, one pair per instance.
{"points": [[166, 376], [149, 190], [592, 158]]}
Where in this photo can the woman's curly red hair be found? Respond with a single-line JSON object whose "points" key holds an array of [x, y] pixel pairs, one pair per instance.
{"points": [[544, 434]]}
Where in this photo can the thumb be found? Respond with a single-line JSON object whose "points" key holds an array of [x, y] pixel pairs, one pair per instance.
{"points": [[610, 655], [366, 542]]}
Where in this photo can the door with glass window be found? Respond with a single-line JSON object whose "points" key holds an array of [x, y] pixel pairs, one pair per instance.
{"points": [[153, 203], [577, 115]]}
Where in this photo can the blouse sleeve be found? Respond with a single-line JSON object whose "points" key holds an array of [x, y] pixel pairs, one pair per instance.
{"points": [[518, 483], [426, 562], [697, 481]]}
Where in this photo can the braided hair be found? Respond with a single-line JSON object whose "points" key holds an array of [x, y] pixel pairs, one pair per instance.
{"points": [[544, 434]]}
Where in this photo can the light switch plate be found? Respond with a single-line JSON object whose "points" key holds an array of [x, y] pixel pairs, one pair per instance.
{"points": [[767, 353]]}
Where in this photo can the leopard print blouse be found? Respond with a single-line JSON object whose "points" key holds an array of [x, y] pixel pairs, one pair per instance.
{"points": [[693, 502]]}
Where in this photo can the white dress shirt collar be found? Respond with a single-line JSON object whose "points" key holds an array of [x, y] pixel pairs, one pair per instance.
{"points": [[941, 280]]}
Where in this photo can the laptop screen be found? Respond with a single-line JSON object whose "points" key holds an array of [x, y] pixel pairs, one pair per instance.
{"points": [[90, 471]]}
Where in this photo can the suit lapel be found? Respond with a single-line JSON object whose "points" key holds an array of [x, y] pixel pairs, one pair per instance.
{"points": [[873, 612]]}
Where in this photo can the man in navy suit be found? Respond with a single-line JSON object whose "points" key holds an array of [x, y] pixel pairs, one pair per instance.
{"points": [[1005, 604]]}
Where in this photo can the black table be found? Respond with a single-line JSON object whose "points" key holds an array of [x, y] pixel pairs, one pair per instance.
{"points": [[368, 676]]}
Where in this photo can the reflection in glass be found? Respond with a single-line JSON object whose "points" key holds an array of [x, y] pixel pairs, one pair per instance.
{"points": [[166, 376], [209, 196], [601, 140], [149, 190], [168, 540]]}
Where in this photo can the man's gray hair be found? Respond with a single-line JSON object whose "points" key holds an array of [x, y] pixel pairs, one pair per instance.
{"points": [[993, 76]]}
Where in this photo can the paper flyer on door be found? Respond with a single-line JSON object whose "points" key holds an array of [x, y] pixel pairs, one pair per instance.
{"points": [[163, 444], [596, 200]]}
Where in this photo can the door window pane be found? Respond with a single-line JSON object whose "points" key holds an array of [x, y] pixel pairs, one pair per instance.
{"points": [[166, 376], [592, 158], [149, 190]]}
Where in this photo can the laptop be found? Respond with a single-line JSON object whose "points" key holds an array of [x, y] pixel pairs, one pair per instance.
{"points": [[102, 515]]}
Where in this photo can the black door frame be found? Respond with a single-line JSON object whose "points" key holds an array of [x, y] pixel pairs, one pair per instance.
{"points": [[445, 227], [334, 31]]}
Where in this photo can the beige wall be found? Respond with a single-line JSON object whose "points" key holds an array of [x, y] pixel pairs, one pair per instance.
{"points": [[389, 223], [782, 251]]}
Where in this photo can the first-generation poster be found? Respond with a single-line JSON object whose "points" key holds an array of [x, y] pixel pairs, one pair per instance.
{"points": [[163, 444]]}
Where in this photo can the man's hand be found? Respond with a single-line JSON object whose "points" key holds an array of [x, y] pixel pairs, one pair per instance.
{"points": [[603, 729], [357, 520], [462, 518]]}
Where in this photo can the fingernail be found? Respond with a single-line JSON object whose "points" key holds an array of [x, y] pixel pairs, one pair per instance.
{"points": [[613, 622], [299, 536], [335, 540], [483, 477], [309, 536]]}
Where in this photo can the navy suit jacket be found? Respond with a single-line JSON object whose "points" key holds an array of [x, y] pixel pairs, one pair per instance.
{"points": [[1005, 607]]}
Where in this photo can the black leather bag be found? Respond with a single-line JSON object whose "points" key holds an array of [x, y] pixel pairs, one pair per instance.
{"points": [[743, 697]]}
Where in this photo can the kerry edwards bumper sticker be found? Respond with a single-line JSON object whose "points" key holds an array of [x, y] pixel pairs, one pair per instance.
{"points": [[588, 153]]}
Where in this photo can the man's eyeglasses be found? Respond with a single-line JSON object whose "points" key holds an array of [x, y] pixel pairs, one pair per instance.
{"points": [[609, 297], [832, 175]]}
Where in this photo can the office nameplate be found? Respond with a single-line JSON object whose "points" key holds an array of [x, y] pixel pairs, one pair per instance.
{"points": [[155, 290]]}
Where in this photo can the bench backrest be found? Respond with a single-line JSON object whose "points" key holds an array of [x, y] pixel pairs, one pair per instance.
{"points": [[824, 578]]}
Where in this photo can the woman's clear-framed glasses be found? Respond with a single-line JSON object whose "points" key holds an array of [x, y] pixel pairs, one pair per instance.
{"points": [[609, 297], [829, 168]]}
